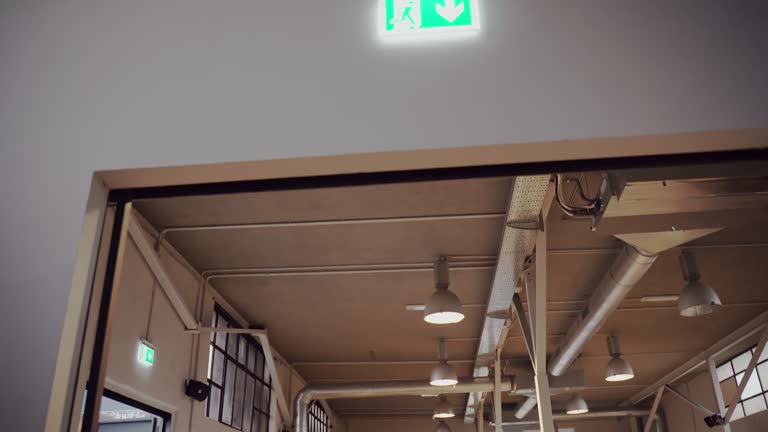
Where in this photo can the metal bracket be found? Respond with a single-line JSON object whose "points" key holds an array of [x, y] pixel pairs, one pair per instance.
{"points": [[536, 224]]}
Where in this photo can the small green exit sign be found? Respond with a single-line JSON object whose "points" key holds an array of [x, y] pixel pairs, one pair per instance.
{"points": [[404, 17], [146, 353]]}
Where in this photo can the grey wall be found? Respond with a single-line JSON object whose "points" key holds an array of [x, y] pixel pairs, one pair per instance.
{"points": [[87, 85]]}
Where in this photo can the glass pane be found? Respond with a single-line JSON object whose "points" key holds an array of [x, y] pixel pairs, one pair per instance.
{"points": [[229, 391], [232, 345], [210, 361], [738, 413], [217, 373], [264, 423], [729, 388], [237, 411], [752, 388], [260, 365], [251, 358], [242, 350], [265, 399], [764, 357], [248, 404], [257, 396], [255, 422], [754, 405], [741, 362], [762, 370], [213, 403], [724, 372]]}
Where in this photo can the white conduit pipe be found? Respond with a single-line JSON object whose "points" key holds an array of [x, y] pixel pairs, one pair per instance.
{"points": [[382, 389], [587, 416]]}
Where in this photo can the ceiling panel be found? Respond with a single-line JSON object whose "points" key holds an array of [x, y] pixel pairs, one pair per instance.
{"points": [[360, 317], [357, 317], [366, 243], [366, 372], [357, 202]]}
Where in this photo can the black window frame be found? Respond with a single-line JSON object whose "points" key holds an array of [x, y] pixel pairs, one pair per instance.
{"points": [[317, 419], [733, 374], [253, 368]]}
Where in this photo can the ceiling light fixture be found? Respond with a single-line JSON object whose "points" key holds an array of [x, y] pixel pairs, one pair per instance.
{"points": [[442, 427], [443, 306], [443, 374], [576, 405], [697, 298], [444, 409], [618, 369]]}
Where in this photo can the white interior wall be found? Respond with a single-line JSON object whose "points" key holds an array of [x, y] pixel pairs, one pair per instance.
{"points": [[162, 384], [91, 85]]}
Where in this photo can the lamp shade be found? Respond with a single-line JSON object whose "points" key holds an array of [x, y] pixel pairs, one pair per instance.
{"points": [[443, 410], [618, 370], [443, 307], [698, 299], [443, 375], [442, 427], [576, 405]]}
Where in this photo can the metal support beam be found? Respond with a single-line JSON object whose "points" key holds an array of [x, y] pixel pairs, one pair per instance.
{"points": [[530, 197], [718, 390], [525, 327], [269, 357], [479, 419], [690, 401], [747, 375], [543, 396], [654, 409], [146, 247], [497, 392]]}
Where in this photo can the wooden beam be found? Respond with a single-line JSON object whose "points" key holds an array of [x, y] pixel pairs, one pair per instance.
{"points": [[718, 390], [144, 244], [269, 356], [652, 415], [543, 396]]}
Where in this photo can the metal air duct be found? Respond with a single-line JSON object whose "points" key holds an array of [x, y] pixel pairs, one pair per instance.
{"points": [[636, 257]]}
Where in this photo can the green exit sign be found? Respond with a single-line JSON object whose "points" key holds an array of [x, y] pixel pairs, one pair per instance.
{"points": [[404, 17], [146, 353]]}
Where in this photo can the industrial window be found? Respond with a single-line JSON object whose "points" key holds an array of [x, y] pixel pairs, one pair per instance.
{"points": [[754, 399], [240, 385], [317, 418]]}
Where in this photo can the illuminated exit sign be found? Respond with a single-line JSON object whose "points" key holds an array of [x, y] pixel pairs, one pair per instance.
{"points": [[409, 17], [146, 353]]}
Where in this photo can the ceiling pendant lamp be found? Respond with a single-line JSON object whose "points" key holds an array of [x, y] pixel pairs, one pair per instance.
{"points": [[443, 410], [443, 306], [618, 369], [443, 374], [697, 298], [576, 405], [442, 427]]}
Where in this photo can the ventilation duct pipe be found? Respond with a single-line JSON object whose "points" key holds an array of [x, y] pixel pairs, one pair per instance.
{"points": [[382, 389], [625, 272], [636, 257]]}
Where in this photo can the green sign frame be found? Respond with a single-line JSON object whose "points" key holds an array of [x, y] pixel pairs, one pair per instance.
{"points": [[415, 17]]}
